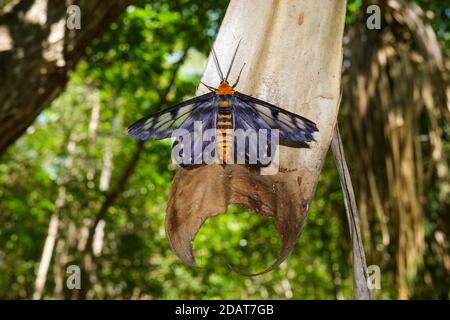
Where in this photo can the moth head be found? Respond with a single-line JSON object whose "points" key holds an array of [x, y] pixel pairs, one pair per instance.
{"points": [[224, 88]]}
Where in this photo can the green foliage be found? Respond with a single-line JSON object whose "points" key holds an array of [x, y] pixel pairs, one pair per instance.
{"points": [[439, 15]]}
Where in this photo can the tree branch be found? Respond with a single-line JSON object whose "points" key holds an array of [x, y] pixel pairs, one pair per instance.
{"points": [[37, 53]]}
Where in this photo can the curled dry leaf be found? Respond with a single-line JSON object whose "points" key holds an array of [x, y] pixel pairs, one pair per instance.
{"points": [[298, 69], [206, 191]]}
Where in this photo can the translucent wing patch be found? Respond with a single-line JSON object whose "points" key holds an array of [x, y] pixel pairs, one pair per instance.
{"points": [[162, 124]]}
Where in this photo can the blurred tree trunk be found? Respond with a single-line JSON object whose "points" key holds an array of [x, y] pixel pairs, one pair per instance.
{"points": [[37, 53], [395, 104], [54, 223]]}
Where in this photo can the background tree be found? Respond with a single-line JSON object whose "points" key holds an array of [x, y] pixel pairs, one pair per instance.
{"points": [[38, 52], [396, 110]]}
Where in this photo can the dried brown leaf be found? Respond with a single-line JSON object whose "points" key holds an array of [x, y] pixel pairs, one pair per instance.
{"points": [[297, 69], [195, 196]]}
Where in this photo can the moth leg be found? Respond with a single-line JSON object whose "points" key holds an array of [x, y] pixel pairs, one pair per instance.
{"points": [[211, 88], [237, 80]]}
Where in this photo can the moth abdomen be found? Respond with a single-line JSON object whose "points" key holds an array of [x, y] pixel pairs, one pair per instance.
{"points": [[224, 129]]}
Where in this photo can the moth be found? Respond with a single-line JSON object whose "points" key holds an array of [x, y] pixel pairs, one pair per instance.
{"points": [[227, 115]]}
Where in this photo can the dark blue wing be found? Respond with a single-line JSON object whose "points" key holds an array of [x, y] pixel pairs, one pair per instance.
{"points": [[260, 143], [195, 143], [261, 114], [162, 124]]}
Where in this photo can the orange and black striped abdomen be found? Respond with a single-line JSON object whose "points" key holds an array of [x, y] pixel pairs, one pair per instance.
{"points": [[224, 129]]}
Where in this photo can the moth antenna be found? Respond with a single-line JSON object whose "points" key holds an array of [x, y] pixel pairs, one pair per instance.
{"points": [[216, 62], [211, 88], [232, 60], [237, 80]]}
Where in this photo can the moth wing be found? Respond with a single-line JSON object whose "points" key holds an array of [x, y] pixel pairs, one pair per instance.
{"points": [[195, 144], [253, 142], [291, 126], [162, 124]]}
